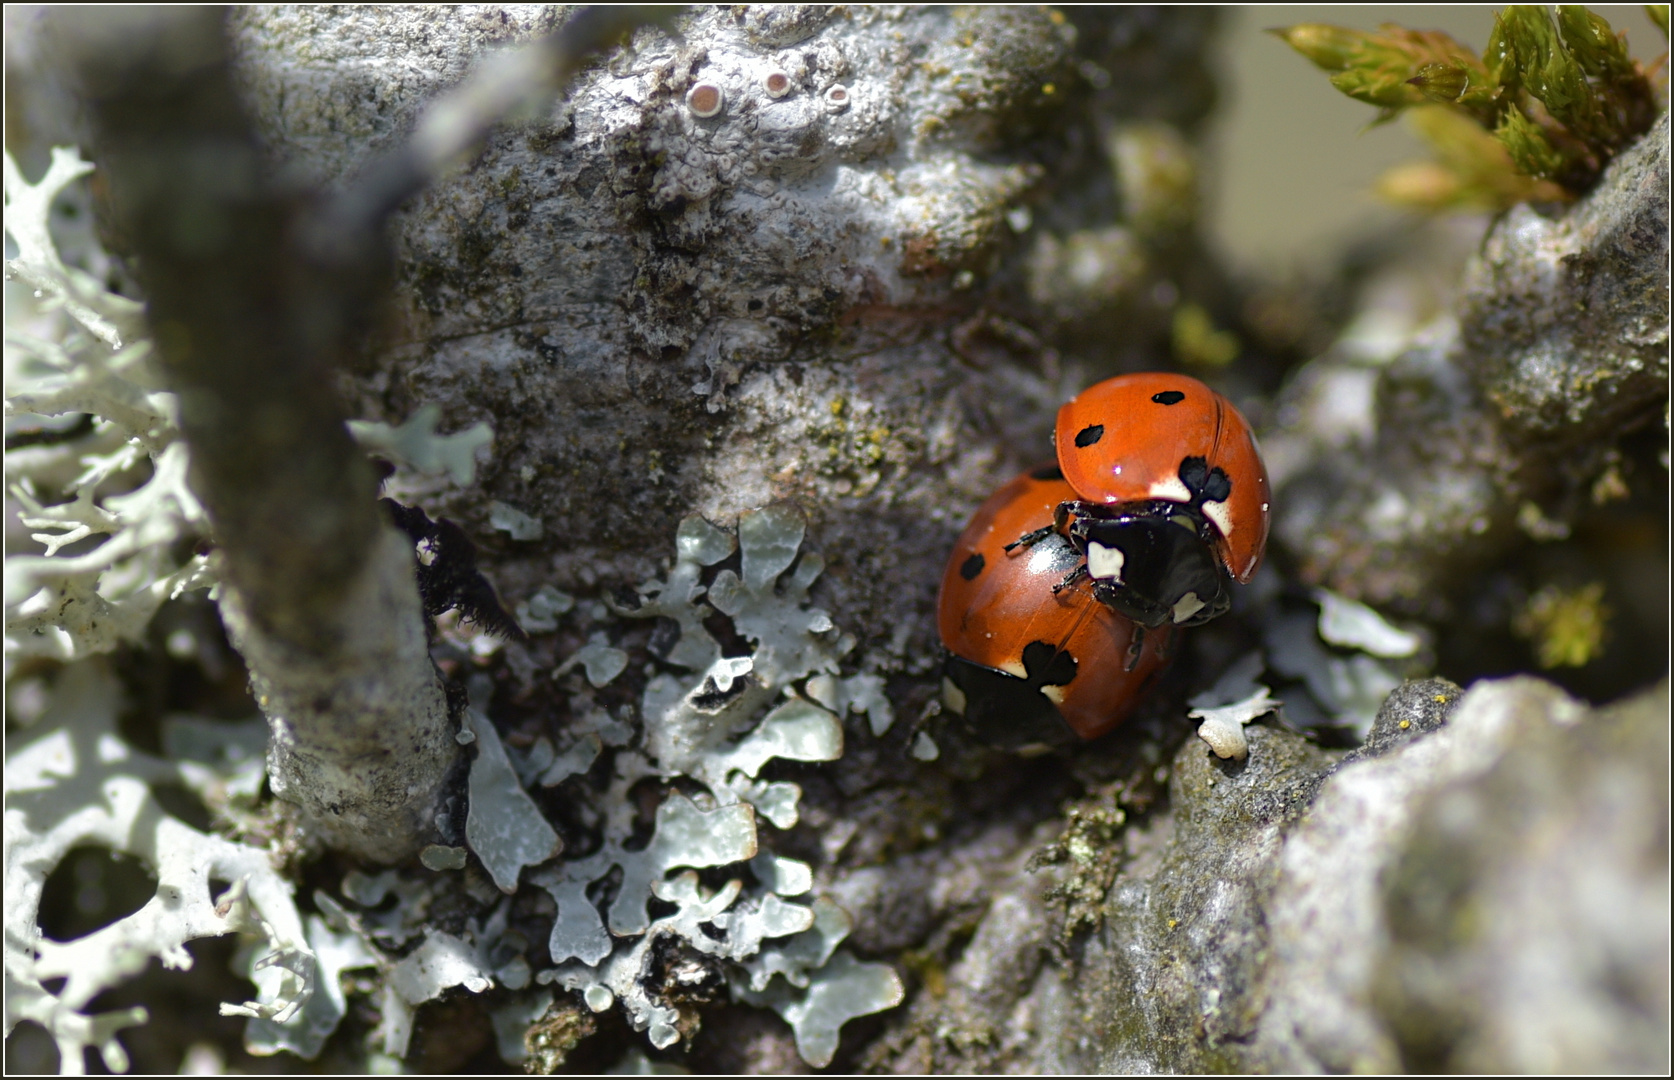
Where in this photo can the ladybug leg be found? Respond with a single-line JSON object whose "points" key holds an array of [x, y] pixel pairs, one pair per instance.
{"points": [[1136, 647], [1070, 579], [1070, 508], [1030, 538]]}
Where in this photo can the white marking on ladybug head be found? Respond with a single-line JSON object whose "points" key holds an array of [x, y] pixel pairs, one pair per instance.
{"points": [[1217, 513], [1105, 563], [1171, 489], [1186, 607], [952, 696], [1054, 694], [1015, 667]]}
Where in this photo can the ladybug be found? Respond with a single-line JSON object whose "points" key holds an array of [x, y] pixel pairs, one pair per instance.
{"points": [[1171, 497], [1032, 659]]}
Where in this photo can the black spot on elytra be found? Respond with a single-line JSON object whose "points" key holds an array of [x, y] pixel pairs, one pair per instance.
{"points": [[1087, 436], [1211, 485], [972, 566], [1168, 397], [1047, 666]]}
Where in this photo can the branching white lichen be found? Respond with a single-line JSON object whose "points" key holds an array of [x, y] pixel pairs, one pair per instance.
{"points": [[74, 347], [337, 948], [112, 319], [78, 783]]}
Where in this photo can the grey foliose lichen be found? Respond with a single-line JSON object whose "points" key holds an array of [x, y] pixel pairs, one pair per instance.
{"points": [[709, 725], [717, 723]]}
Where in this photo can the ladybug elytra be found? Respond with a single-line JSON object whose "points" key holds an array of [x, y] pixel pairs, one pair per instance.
{"points": [[1165, 447], [1032, 661]]}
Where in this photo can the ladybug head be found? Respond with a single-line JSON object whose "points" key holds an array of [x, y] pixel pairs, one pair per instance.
{"points": [[1156, 561]]}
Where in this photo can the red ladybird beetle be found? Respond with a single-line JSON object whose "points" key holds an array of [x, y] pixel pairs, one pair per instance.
{"points": [[1171, 496], [1033, 660]]}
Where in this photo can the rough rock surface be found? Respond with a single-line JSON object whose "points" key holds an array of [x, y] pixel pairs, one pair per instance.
{"points": [[627, 290], [1564, 841], [1424, 903], [1565, 320], [1505, 421]]}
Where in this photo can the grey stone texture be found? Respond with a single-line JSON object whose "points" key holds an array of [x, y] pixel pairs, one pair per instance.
{"points": [[1507, 422], [1485, 887]]}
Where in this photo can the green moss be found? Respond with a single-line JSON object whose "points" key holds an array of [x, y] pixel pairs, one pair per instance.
{"points": [[1561, 96], [1473, 169], [1196, 341]]}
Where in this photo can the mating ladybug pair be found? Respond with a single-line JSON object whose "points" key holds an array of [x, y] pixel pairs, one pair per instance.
{"points": [[1064, 598]]}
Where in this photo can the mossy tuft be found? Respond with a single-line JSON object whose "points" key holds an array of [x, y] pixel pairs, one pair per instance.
{"points": [[1535, 118]]}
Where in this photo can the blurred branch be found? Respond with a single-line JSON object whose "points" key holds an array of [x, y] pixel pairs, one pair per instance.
{"points": [[248, 333], [253, 313]]}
